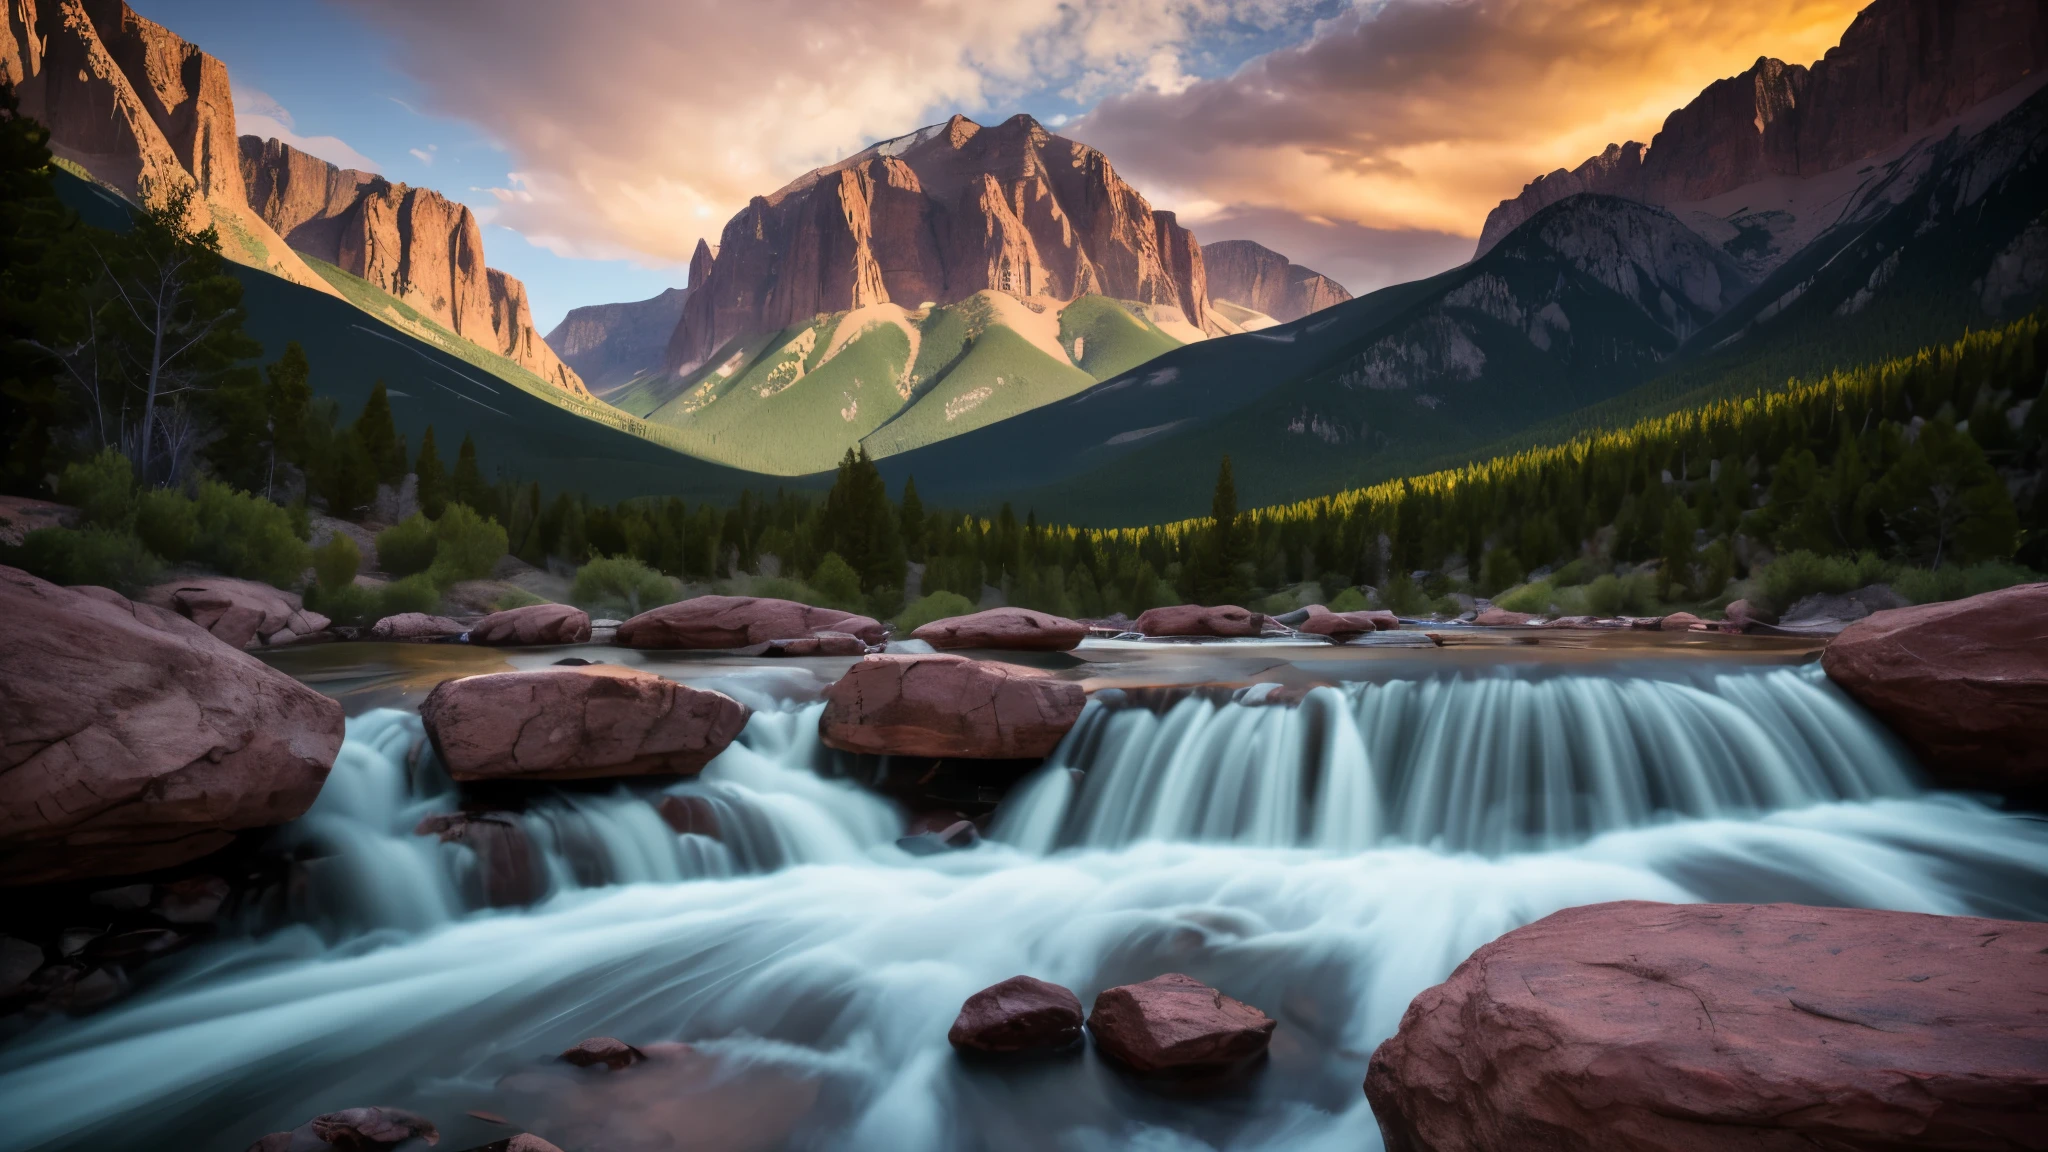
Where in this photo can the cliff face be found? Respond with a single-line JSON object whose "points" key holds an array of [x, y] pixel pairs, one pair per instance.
{"points": [[610, 344], [936, 217], [414, 243], [141, 109], [1254, 276], [1902, 67]]}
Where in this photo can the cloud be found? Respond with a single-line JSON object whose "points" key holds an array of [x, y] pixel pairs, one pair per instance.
{"points": [[639, 125], [258, 114], [425, 155], [1423, 114]]}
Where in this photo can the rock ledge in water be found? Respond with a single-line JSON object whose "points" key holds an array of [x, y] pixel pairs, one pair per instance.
{"points": [[533, 625], [713, 622], [1659, 1026], [1175, 1023], [1021, 1014], [1011, 629], [1342, 626], [948, 706], [1195, 620], [611, 1053], [575, 723]]}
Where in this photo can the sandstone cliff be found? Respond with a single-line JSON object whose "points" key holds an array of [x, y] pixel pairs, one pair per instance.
{"points": [[1902, 68], [142, 110], [936, 217], [414, 243], [1254, 276], [611, 344]]}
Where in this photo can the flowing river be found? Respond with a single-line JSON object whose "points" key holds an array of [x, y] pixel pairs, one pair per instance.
{"points": [[1323, 849]]}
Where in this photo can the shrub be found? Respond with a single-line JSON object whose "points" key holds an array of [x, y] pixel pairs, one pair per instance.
{"points": [[837, 584], [515, 598], [167, 523], [1579, 571], [335, 563], [777, 588], [1403, 597], [102, 488], [247, 536], [415, 593], [1528, 597], [620, 583], [1349, 600], [349, 604], [408, 546], [1796, 575], [936, 606], [1953, 582], [1501, 569], [103, 556], [467, 546]]}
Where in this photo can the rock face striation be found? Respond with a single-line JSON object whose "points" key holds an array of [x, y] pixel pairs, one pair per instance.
{"points": [[936, 216], [903, 705], [612, 344], [414, 243], [135, 740], [1964, 683], [1254, 276], [1690, 1027], [1902, 67], [577, 723]]}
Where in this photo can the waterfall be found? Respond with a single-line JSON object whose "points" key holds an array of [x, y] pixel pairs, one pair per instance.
{"points": [[1493, 763]]}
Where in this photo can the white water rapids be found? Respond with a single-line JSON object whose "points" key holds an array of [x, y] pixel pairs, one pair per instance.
{"points": [[1323, 861]]}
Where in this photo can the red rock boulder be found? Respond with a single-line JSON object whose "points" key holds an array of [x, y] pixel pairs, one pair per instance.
{"points": [[240, 613], [1679, 622], [1176, 1023], [533, 625], [1021, 1014], [575, 723], [941, 705], [415, 626], [1694, 1027], [504, 853], [134, 740], [738, 622], [1964, 684], [1342, 626], [1195, 620], [1012, 629], [821, 644]]}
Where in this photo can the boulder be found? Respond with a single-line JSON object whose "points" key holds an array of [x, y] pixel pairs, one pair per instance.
{"points": [[136, 740], [241, 613], [605, 1051], [1964, 684], [352, 1130], [21, 515], [945, 705], [504, 853], [1739, 616], [1021, 1014], [1680, 622], [1695, 1027], [192, 900], [1502, 618], [822, 644], [1195, 620], [690, 815], [533, 625], [1176, 1023], [1342, 626], [415, 626], [574, 723], [1013, 629], [738, 622]]}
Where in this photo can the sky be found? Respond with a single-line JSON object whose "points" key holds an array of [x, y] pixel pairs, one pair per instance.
{"points": [[599, 140]]}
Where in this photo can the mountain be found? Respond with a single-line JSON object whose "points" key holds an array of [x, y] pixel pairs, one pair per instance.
{"points": [[1254, 277], [613, 344], [1903, 70], [414, 243], [143, 111]]}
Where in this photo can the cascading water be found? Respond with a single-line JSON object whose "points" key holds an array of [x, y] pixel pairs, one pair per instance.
{"points": [[1324, 861]]}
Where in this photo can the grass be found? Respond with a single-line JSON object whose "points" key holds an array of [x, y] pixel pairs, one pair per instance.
{"points": [[1112, 340], [1001, 375]]}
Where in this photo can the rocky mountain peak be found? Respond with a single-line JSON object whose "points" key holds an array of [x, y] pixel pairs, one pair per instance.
{"points": [[1251, 275], [700, 263]]}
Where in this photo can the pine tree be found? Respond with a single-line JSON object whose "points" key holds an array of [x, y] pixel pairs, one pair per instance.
{"points": [[378, 434], [288, 400], [433, 490], [912, 522], [1224, 550], [466, 486]]}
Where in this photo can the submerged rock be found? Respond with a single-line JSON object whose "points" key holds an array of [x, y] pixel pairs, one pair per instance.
{"points": [[959, 834], [949, 706], [504, 854], [524, 1142], [738, 622], [533, 625], [1342, 626], [613, 1054], [1657, 1026], [1195, 620], [1175, 1023], [239, 613], [1021, 1014], [1012, 629], [136, 740], [594, 721], [822, 644], [355, 1128], [1964, 684]]}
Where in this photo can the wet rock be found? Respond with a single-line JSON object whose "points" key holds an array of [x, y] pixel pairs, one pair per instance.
{"points": [[1175, 1023], [1680, 622], [1739, 616], [141, 944], [957, 835], [19, 960], [192, 900], [504, 854], [415, 626], [1657, 1026], [1502, 618], [1342, 626], [948, 706], [1195, 620], [353, 1130], [136, 740], [711, 622], [1012, 629], [690, 815], [127, 898], [240, 613], [603, 1050], [524, 1142], [533, 625], [677, 1099], [1296, 618], [822, 644], [1021, 1014], [577, 723], [74, 941], [1964, 684]]}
